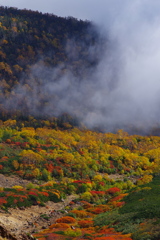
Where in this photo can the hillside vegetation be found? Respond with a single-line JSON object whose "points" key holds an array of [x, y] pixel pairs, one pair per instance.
{"points": [[60, 162], [81, 184], [37, 50]]}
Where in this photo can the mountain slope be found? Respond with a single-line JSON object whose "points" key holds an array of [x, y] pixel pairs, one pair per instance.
{"points": [[38, 52]]}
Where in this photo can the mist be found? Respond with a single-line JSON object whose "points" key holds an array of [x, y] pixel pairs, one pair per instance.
{"points": [[123, 91]]}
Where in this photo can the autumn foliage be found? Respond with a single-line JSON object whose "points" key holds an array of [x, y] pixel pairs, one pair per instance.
{"points": [[113, 178], [66, 219]]}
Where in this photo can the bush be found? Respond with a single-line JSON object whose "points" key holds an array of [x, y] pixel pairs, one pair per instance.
{"points": [[113, 190], [66, 219], [79, 213], [82, 188], [73, 233], [59, 225], [107, 218], [71, 214], [54, 196], [85, 223], [87, 196]]}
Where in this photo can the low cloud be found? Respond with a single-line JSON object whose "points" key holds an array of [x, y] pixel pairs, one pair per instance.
{"points": [[123, 90]]}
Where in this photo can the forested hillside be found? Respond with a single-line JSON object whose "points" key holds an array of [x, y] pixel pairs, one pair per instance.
{"points": [[38, 49], [58, 179]]}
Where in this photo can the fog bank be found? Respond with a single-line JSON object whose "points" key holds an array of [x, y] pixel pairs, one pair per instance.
{"points": [[123, 90]]}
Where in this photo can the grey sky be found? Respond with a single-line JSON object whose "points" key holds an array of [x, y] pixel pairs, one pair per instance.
{"points": [[101, 11], [82, 9]]}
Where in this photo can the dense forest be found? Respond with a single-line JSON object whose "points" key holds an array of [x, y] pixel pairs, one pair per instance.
{"points": [[111, 179], [38, 49]]}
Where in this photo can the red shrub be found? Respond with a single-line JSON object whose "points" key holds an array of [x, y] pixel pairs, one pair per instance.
{"points": [[71, 203], [50, 167], [101, 183], [80, 213], [111, 164], [66, 219], [106, 230], [113, 190], [45, 194], [2, 201], [15, 201], [101, 193], [119, 204], [54, 236], [33, 193], [86, 204], [104, 238], [4, 159], [97, 210], [8, 141], [85, 223], [117, 198], [79, 181], [59, 225]]}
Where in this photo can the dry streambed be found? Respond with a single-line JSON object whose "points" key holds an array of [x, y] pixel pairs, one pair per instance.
{"points": [[21, 222]]}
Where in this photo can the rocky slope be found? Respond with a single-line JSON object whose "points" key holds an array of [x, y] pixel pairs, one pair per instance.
{"points": [[19, 224]]}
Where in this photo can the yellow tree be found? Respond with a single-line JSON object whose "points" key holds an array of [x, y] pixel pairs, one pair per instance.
{"points": [[153, 154], [36, 172], [28, 132], [15, 164], [29, 158]]}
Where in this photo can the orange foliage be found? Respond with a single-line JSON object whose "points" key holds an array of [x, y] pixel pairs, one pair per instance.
{"points": [[2, 201], [53, 236], [104, 238], [117, 204], [66, 219], [113, 190], [4, 159], [80, 213], [86, 204], [49, 167], [114, 235], [85, 223], [59, 225], [99, 209], [45, 194], [50, 236], [106, 230], [119, 197]]}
